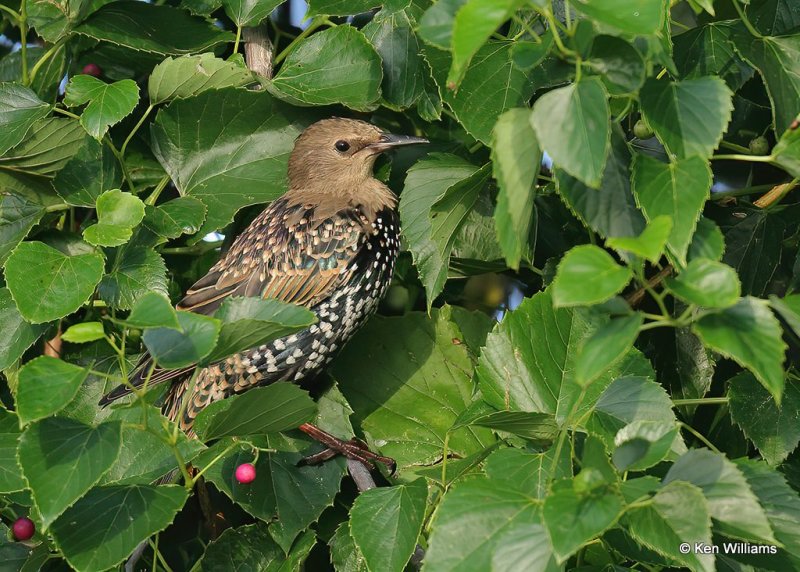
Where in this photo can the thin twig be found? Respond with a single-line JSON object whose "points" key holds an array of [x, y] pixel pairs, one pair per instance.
{"points": [[636, 298]]}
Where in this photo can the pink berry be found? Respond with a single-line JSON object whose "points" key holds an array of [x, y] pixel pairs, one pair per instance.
{"points": [[92, 69], [23, 528], [245, 473]]}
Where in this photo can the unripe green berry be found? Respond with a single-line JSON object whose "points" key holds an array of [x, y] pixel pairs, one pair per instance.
{"points": [[642, 130], [759, 146]]}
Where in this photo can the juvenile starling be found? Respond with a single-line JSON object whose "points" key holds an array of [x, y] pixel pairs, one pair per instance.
{"points": [[329, 244]]}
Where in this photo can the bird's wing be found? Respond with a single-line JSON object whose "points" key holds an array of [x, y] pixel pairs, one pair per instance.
{"points": [[288, 253]]}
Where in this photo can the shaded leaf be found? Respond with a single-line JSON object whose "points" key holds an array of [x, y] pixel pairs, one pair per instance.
{"points": [[46, 284], [91, 171], [20, 108], [134, 272], [49, 146], [179, 348]]}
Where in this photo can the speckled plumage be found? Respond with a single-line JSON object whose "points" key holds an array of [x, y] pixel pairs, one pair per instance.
{"points": [[338, 266], [329, 244]]}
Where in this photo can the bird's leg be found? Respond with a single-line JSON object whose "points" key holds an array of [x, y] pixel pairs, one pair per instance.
{"points": [[353, 449]]}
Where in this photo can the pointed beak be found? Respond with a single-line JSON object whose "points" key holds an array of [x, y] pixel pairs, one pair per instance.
{"points": [[390, 141]]}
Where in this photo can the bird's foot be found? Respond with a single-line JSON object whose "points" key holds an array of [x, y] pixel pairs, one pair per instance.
{"points": [[354, 449]]}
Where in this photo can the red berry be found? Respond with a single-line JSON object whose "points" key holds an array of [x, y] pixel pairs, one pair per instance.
{"points": [[245, 473], [92, 69], [23, 528]]}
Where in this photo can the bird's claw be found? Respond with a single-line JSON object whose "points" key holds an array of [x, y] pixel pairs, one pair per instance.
{"points": [[354, 449]]}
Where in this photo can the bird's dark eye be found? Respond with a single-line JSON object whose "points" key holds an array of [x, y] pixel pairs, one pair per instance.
{"points": [[342, 146]]}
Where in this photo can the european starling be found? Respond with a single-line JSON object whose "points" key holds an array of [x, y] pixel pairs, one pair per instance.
{"points": [[329, 244]]}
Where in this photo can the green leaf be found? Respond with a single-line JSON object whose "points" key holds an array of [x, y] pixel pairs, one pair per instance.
{"points": [[610, 210], [117, 214], [436, 24], [588, 275], [524, 547], [184, 215], [637, 17], [778, 62], [707, 241], [108, 103], [706, 283], [690, 116], [731, 502], [150, 28], [398, 512], [787, 152], [775, 17], [251, 547], [515, 163], [650, 244], [144, 456], [113, 521], [229, 148], [708, 50], [337, 65], [514, 375], [46, 284], [91, 171], [531, 473], [62, 459], [405, 406], [153, 310], [629, 400], [295, 495], [492, 85], [474, 23], [643, 444], [51, 71], [188, 76], [572, 124], [404, 70], [341, 7], [782, 505], [774, 431], [249, 12], [46, 384], [179, 348], [464, 539], [53, 20], [134, 272], [48, 147], [618, 63], [749, 334], [610, 343], [574, 517], [10, 472], [345, 555], [20, 108], [754, 249], [440, 190], [539, 427], [17, 216], [253, 322], [276, 407], [84, 332], [677, 513], [679, 190], [16, 335]]}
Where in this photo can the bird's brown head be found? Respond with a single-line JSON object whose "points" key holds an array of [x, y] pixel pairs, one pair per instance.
{"points": [[338, 154]]}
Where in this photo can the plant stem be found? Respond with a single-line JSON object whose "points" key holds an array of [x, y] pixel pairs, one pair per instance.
{"points": [[701, 401], [551, 21], [162, 184], [56, 208], [66, 113], [527, 28], [238, 38], [134, 130], [201, 248], [742, 157], [315, 23], [211, 463], [745, 20], [13, 13], [160, 557], [121, 160], [23, 40], [740, 192], [776, 194], [46, 56], [735, 147], [700, 436]]}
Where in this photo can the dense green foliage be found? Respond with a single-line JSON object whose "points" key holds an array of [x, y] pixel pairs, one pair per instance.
{"points": [[639, 392]]}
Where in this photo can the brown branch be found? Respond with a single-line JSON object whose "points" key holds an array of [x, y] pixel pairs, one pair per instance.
{"points": [[636, 298], [258, 50]]}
